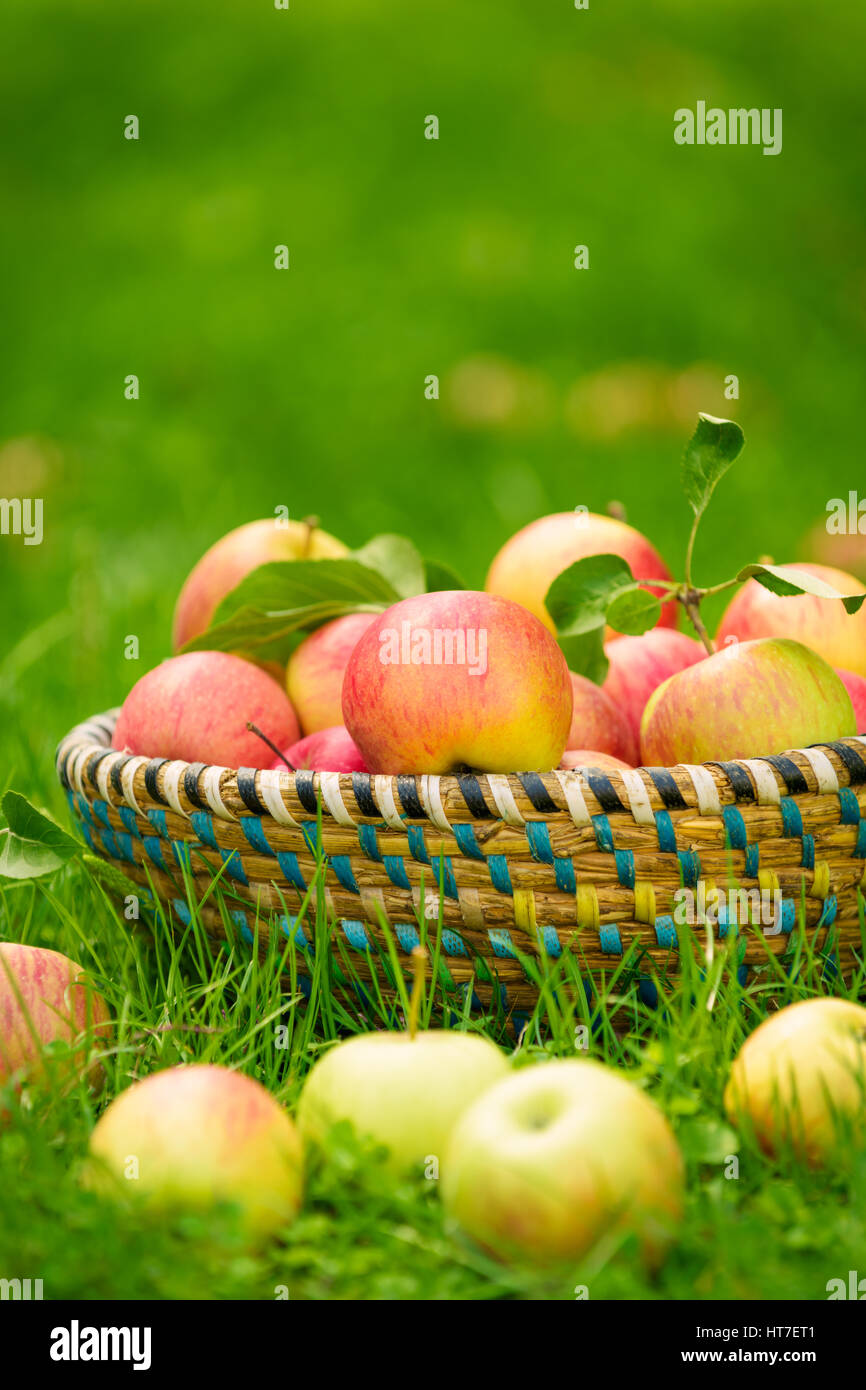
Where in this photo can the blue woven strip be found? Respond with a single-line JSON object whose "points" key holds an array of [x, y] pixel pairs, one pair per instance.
{"points": [[859, 850], [564, 873], [153, 850], [753, 860], [181, 910], [407, 935], [743, 975], [452, 945], [417, 847], [240, 920], [691, 866], [648, 991], [665, 832], [538, 836], [828, 914], [255, 834], [467, 842], [552, 944], [100, 811], [356, 934], [603, 833], [107, 838], [808, 860], [83, 807], [368, 842], [234, 866], [624, 867], [497, 867], [291, 927], [789, 915], [130, 824], [500, 941], [180, 852], [310, 832], [85, 830], [396, 871], [156, 816], [124, 846], [448, 882], [666, 933], [609, 940], [849, 807], [288, 862], [735, 826], [342, 866], [792, 821], [202, 824]]}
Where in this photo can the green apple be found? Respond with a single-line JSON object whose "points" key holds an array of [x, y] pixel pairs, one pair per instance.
{"points": [[556, 1156]]}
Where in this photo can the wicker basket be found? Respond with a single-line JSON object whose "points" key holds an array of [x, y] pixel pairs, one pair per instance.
{"points": [[525, 861]]}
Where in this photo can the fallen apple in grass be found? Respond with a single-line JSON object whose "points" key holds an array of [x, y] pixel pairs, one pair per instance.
{"points": [[639, 665], [799, 1081], [598, 722], [329, 750], [558, 1155], [314, 675], [45, 1000], [457, 679], [196, 707], [751, 698], [821, 623], [193, 1136]]}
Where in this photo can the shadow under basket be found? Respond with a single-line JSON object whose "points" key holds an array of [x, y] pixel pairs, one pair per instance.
{"points": [[524, 864]]}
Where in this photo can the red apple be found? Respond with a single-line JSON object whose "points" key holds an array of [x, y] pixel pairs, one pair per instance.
{"points": [[639, 665], [856, 687], [820, 623], [587, 757], [597, 722], [747, 700], [314, 675], [456, 679], [328, 750], [527, 565], [44, 999], [196, 707]]}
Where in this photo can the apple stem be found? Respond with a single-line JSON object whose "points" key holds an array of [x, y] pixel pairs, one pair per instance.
{"points": [[691, 601], [311, 523], [419, 972], [254, 729]]}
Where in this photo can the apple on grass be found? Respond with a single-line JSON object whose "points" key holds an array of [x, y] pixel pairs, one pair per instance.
{"points": [[196, 707], [820, 623], [598, 722], [314, 675], [192, 1136], [557, 1156], [528, 563], [329, 750], [749, 699], [458, 679], [799, 1081], [639, 665], [45, 1000]]}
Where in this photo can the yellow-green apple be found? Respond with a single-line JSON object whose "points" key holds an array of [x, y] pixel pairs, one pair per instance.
{"points": [[232, 558], [799, 1081], [45, 999], [587, 757], [821, 623], [329, 750], [639, 665], [557, 1156], [405, 1093], [457, 679], [193, 1136], [196, 707], [747, 700], [527, 565], [856, 687], [598, 722], [314, 675]]}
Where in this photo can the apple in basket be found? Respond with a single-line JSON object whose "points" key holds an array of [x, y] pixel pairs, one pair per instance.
{"points": [[192, 1136], [749, 699], [314, 675], [856, 687], [457, 679], [557, 1156], [639, 665], [329, 750], [45, 1001], [820, 623], [588, 757], [598, 722]]}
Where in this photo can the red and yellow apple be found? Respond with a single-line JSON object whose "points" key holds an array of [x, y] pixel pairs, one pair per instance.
{"points": [[639, 665], [328, 750], [749, 699], [44, 999], [820, 623], [856, 687], [588, 757], [598, 722], [457, 679], [314, 675]]}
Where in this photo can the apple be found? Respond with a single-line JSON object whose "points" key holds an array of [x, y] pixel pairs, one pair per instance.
{"points": [[856, 687], [193, 1136], [329, 750], [598, 722], [527, 565], [232, 558], [44, 999], [314, 675], [588, 757], [196, 707], [405, 1093], [749, 699], [799, 1081], [557, 1156], [639, 665], [456, 679], [820, 623]]}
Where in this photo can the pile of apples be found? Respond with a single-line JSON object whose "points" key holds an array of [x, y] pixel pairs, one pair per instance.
{"points": [[362, 693], [536, 1163]]}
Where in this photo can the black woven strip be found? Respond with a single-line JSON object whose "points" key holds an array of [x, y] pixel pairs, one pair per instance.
{"points": [[106, 725], [603, 790], [190, 785], [63, 774], [739, 779], [93, 763], [363, 789], [472, 794], [305, 787], [150, 781], [852, 760], [790, 774], [666, 785], [537, 792], [247, 791], [409, 798]]}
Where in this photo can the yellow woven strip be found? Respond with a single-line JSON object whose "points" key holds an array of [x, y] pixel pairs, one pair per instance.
{"points": [[524, 910], [644, 902], [587, 906], [821, 883], [768, 880]]}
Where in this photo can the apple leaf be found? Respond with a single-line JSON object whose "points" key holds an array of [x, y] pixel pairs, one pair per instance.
{"points": [[592, 593], [787, 580], [33, 843], [397, 561], [634, 611], [439, 576], [709, 454]]}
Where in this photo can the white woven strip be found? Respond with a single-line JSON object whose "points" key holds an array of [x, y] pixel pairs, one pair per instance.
{"points": [[859, 738], [65, 748], [822, 768], [503, 796], [211, 782], [765, 781], [431, 800], [706, 790], [127, 782], [638, 796], [329, 782], [383, 787], [171, 775], [78, 767], [269, 786], [572, 790], [103, 776]]}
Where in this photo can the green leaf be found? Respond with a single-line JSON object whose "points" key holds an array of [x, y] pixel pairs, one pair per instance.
{"points": [[595, 592], [584, 652], [397, 561], [439, 576], [708, 456], [33, 844], [634, 611], [787, 580]]}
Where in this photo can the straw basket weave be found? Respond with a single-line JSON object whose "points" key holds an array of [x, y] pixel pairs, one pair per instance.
{"points": [[524, 863]]}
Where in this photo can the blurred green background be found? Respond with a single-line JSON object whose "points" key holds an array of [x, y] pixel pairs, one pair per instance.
{"points": [[409, 257]]}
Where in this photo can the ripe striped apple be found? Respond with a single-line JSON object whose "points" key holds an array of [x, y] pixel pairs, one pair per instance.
{"points": [[314, 675], [559, 1155], [639, 665], [820, 623], [749, 699], [527, 565], [329, 750], [799, 1080], [587, 757], [856, 687], [196, 707], [598, 722], [43, 1000], [193, 1136], [457, 679]]}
